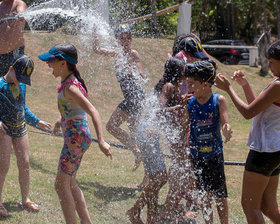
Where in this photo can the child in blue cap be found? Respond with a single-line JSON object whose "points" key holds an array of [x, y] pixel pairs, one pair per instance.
{"points": [[208, 115], [73, 105], [14, 115]]}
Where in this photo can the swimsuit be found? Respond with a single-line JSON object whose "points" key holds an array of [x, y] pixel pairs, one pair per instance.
{"points": [[5, 59], [14, 113], [129, 80], [74, 124]]}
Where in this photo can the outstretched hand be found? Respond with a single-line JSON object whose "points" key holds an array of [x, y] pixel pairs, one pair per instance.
{"points": [[106, 149], [44, 125], [222, 82], [227, 132]]}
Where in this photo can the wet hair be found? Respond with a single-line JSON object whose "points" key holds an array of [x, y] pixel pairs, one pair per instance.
{"points": [[202, 71], [173, 70], [177, 40], [70, 50], [273, 50]]}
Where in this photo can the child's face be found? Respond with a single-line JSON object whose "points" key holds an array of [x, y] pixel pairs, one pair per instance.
{"points": [[274, 66], [125, 40], [195, 87], [56, 67]]}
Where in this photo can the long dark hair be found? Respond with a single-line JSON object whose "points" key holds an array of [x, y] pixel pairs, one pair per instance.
{"points": [[173, 70], [70, 50]]}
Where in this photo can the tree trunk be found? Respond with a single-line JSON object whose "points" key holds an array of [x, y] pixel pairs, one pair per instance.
{"points": [[264, 43], [278, 17], [154, 20]]}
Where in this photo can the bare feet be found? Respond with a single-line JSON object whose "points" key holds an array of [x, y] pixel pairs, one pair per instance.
{"points": [[138, 160], [3, 211], [133, 216]]}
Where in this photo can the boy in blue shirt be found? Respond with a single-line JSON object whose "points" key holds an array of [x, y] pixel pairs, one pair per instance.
{"points": [[13, 118], [208, 113]]}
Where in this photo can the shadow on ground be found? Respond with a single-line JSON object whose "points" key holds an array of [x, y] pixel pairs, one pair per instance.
{"points": [[109, 194]]}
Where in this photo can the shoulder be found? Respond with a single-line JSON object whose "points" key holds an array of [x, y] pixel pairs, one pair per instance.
{"points": [[20, 6]]}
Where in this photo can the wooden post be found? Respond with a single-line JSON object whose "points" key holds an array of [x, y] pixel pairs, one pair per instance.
{"points": [[253, 58], [185, 18]]}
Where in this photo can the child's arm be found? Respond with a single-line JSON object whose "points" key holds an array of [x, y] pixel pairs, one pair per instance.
{"points": [[240, 78], [261, 102], [223, 110], [34, 121], [74, 93], [137, 60], [99, 50], [31, 118]]}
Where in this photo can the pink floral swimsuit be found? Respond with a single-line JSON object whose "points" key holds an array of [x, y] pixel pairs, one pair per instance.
{"points": [[74, 124]]}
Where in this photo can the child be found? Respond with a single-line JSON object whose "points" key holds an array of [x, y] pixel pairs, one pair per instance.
{"points": [[175, 127], [261, 174], [208, 113], [73, 106], [147, 138], [129, 71], [13, 115]]}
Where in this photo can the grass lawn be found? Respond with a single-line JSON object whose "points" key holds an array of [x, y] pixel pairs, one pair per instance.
{"points": [[108, 186]]}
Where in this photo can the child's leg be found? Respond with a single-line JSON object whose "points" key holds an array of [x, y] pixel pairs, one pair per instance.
{"points": [[66, 199], [156, 183], [269, 201], [222, 208], [252, 196], [80, 202], [21, 149], [149, 196], [113, 127], [207, 210], [5, 151]]}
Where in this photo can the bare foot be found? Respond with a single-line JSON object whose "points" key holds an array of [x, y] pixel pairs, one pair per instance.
{"points": [[133, 216], [137, 161], [191, 214], [3, 211]]}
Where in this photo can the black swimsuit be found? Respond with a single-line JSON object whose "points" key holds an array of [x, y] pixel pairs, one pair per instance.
{"points": [[131, 87]]}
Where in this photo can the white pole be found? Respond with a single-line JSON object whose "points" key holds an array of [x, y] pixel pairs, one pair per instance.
{"points": [[185, 18]]}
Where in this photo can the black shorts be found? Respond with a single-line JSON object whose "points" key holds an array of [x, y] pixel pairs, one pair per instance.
{"points": [[5, 59], [132, 105], [210, 175], [264, 163]]}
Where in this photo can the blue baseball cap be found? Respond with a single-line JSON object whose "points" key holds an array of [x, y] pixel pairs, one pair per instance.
{"points": [[193, 46], [123, 28], [23, 66], [205, 70], [54, 53]]}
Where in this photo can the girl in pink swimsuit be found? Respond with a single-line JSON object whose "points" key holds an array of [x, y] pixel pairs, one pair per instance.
{"points": [[73, 106]]}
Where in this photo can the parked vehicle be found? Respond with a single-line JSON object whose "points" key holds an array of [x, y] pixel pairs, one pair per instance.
{"points": [[230, 56]]}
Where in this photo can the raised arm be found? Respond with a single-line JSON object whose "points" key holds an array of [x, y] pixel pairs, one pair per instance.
{"points": [[99, 50], [261, 102], [240, 78]]}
